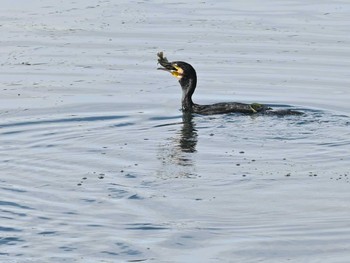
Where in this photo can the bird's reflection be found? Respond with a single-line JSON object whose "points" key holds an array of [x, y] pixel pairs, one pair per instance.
{"points": [[177, 155], [188, 135]]}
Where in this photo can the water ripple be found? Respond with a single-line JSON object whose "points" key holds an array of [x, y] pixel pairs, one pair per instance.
{"points": [[64, 120]]}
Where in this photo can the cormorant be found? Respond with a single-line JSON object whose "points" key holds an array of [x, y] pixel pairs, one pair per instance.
{"points": [[187, 77]]}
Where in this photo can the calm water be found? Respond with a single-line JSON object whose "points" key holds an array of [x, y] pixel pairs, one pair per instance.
{"points": [[99, 165]]}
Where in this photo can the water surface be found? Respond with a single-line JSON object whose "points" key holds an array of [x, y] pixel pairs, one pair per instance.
{"points": [[99, 165]]}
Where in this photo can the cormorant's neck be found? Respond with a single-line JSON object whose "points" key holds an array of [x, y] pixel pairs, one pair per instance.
{"points": [[188, 85]]}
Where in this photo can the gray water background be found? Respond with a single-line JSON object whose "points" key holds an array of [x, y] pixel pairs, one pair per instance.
{"points": [[99, 165]]}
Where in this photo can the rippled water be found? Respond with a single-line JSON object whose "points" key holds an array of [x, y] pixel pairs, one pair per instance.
{"points": [[99, 165]]}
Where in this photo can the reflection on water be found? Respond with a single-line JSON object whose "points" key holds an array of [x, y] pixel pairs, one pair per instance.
{"points": [[176, 155], [188, 134]]}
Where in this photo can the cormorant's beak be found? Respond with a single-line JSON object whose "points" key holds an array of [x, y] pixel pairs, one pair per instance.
{"points": [[168, 68], [174, 70], [171, 67]]}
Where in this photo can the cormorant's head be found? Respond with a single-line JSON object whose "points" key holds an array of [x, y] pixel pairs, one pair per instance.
{"points": [[179, 69]]}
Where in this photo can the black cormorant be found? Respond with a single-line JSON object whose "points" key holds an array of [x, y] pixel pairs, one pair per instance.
{"points": [[187, 77]]}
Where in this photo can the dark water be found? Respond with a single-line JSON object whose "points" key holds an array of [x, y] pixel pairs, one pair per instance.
{"points": [[99, 165]]}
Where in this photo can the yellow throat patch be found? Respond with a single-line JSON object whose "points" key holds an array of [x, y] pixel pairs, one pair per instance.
{"points": [[178, 73]]}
